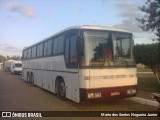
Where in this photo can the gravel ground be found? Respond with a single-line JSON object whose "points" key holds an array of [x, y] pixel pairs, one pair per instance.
{"points": [[145, 95]]}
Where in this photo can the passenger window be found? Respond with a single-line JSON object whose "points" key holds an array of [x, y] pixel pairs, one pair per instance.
{"points": [[49, 52], [33, 55], [58, 45], [40, 50], [55, 48], [29, 53], [61, 44], [24, 54], [47, 48]]}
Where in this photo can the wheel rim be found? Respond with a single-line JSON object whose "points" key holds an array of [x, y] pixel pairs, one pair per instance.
{"points": [[32, 80], [28, 78], [62, 89]]}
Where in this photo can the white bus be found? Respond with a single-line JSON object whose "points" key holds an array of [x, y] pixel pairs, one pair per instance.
{"points": [[83, 63]]}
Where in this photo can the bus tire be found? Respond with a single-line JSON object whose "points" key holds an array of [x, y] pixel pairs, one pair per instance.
{"points": [[32, 79], [61, 89], [28, 78]]}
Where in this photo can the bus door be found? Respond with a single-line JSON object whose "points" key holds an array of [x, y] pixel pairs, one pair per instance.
{"points": [[71, 65]]}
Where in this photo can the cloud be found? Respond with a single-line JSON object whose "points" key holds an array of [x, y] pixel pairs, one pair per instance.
{"points": [[7, 49], [128, 10], [15, 7], [129, 24], [29, 13], [20, 9]]}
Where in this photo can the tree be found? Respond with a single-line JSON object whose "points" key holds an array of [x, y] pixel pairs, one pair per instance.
{"points": [[2, 59], [151, 20], [149, 55], [8, 57], [15, 57]]}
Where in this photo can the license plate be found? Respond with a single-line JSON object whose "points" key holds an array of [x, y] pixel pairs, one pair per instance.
{"points": [[115, 93]]}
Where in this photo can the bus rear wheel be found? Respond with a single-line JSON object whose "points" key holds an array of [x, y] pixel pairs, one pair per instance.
{"points": [[61, 89], [28, 78], [32, 79]]}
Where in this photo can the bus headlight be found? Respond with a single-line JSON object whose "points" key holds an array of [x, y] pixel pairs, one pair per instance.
{"points": [[94, 95], [97, 94], [131, 91], [90, 95], [134, 91]]}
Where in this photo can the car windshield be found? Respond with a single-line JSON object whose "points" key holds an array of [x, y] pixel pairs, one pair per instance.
{"points": [[107, 49]]}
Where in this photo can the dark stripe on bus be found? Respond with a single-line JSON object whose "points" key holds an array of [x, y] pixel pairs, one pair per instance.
{"points": [[51, 70]]}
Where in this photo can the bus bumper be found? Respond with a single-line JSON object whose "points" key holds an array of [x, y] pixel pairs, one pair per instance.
{"points": [[107, 94], [17, 72]]}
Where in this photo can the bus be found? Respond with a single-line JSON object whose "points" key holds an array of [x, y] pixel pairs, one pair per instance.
{"points": [[83, 63]]}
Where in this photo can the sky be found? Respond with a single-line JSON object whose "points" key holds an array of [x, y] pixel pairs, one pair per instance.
{"points": [[25, 22]]}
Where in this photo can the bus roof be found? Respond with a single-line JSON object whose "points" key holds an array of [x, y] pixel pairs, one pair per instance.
{"points": [[98, 27], [89, 27]]}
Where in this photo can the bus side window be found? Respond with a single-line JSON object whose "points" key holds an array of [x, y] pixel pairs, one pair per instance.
{"points": [[70, 51], [67, 52], [73, 51], [29, 53]]}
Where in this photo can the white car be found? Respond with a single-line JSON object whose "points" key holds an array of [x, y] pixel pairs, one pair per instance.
{"points": [[16, 67], [7, 65]]}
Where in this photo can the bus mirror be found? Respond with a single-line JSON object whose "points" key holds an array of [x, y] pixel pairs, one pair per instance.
{"points": [[80, 59], [79, 48], [132, 41]]}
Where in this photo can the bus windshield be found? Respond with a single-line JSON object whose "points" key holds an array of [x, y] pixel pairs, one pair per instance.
{"points": [[18, 65], [107, 49]]}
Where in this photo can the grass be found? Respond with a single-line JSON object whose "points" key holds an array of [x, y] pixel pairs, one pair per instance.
{"points": [[148, 84], [146, 69]]}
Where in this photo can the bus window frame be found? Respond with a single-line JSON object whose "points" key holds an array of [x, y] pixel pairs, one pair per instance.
{"points": [[68, 35]]}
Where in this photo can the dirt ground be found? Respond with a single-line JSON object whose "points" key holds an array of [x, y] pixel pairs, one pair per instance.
{"points": [[17, 95]]}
